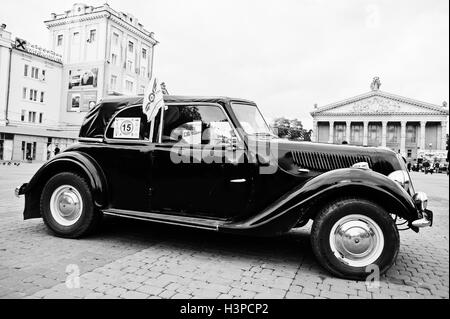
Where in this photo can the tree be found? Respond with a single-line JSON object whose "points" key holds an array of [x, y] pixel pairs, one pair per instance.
{"points": [[291, 129]]}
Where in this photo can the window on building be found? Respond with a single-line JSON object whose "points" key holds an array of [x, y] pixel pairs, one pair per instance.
{"points": [[34, 73], [374, 136], [130, 47], [130, 66], [409, 153], [92, 35], [25, 70], [143, 71], [22, 115], [42, 97], [32, 117], [34, 150], [76, 38], [113, 82], [356, 133], [339, 133], [393, 133], [24, 93], [40, 117], [59, 42], [43, 75], [411, 133], [129, 86], [142, 89], [33, 95], [144, 54], [114, 59], [115, 39]]}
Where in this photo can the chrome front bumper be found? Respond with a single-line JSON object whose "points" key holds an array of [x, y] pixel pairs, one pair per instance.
{"points": [[420, 199]]}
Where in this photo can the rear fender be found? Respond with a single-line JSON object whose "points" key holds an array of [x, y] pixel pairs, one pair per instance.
{"points": [[75, 162]]}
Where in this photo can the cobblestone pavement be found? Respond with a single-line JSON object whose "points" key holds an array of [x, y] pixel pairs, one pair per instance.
{"points": [[133, 259]]}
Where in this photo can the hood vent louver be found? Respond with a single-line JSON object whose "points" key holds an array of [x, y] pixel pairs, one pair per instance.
{"points": [[324, 162]]}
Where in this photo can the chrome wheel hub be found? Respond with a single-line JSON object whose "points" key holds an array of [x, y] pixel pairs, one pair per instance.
{"points": [[356, 240], [66, 205]]}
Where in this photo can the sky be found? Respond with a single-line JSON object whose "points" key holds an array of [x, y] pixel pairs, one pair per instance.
{"points": [[285, 55]]}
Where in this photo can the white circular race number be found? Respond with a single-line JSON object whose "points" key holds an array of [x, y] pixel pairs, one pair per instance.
{"points": [[127, 127]]}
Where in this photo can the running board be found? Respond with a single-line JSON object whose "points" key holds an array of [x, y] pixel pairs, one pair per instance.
{"points": [[167, 219]]}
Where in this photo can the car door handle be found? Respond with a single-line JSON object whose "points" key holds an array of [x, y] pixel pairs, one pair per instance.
{"points": [[241, 180], [303, 170]]}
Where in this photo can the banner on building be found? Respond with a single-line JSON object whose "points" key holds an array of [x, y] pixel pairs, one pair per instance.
{"points": [[83, 78], [81, 101]]}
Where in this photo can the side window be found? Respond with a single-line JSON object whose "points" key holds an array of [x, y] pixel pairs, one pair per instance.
{"points": [[196, 124], [129, 124]]}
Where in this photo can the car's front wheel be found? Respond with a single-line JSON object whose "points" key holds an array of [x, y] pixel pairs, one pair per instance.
{"points": [[354, 237], [67, 206]]}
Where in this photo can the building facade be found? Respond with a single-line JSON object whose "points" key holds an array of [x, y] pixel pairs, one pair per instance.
{"points": [[105, 52], [383, 119], [45, 93]]}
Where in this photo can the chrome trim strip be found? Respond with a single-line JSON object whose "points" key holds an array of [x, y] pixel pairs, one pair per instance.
{"points": [[90, 139], [166, 219], [241, 180]]}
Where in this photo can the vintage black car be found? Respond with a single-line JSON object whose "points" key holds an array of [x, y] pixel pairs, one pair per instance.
{"points": [[215, 164]]}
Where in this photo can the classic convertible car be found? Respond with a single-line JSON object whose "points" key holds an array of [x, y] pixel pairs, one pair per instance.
{"points": [[214, 163]]}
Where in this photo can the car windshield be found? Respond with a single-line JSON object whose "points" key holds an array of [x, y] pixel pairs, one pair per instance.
{"points": [[251, 119]]}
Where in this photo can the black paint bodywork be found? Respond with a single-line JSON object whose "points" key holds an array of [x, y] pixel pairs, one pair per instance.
{"points": [[137, 179]]}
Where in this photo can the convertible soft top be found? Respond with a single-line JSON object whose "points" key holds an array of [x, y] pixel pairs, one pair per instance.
{"points": [[97, 119]]}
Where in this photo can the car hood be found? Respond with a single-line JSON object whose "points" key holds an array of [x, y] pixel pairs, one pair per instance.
{"points": [[319, 158]]}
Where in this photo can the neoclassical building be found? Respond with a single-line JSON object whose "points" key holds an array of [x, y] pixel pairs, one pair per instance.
{"points": [[379, 118]]}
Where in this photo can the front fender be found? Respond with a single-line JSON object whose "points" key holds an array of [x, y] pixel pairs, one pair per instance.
{"points": [[76, 162], [296, 205]]}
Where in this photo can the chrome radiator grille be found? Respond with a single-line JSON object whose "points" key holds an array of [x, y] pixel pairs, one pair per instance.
{"points": [[325, 161]]}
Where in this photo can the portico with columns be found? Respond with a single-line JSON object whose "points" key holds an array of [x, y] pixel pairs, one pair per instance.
{"points": [[382, 119]]}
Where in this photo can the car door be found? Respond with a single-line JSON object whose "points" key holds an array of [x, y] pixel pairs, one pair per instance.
{"points": [[194, 171], [125, 158]]}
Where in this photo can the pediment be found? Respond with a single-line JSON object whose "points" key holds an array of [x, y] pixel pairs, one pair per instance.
{"points": [[379, 102]]}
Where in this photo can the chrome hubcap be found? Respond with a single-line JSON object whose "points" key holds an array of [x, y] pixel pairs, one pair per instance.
{"points": [[356, 240], [66, 205]]}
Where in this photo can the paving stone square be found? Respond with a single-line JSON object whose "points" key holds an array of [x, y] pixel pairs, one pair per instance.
{"points": [[136, 259]]}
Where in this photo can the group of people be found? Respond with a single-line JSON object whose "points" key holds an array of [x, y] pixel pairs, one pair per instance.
{"points": [[428, 167]]}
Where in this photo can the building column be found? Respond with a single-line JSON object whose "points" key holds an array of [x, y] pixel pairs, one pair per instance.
{"points": [[348, 132], [365, 133], [422, 135], [315, 132], [444, 135], [403, 138], [384, 133], [331, 133]]}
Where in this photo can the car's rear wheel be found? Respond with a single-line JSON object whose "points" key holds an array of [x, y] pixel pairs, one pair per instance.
{"points": [[351, 234], [67, 206]]}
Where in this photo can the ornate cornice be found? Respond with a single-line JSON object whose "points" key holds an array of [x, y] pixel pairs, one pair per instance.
{"points": [[75, 19], [377, 114], [133, 30], [104, 14]]}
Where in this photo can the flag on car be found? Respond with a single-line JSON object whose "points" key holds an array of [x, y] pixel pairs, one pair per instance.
{"points": [[153, 99]]}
